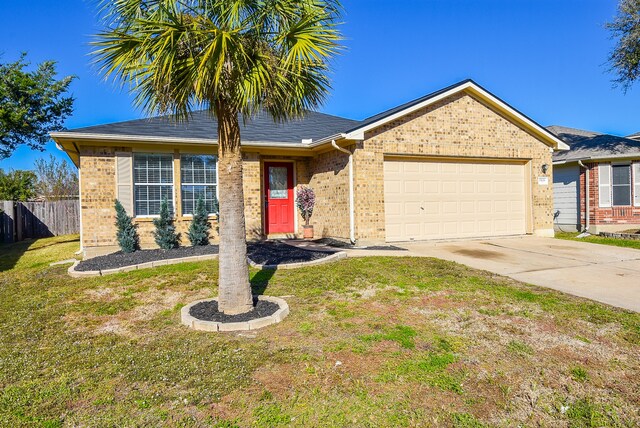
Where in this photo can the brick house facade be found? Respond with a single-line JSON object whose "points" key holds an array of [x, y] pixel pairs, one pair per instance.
{"points": [[463, 127], [584, 178], [608, 218]]}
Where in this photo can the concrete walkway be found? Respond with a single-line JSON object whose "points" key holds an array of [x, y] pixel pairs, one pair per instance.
{"points": [[600, 272]]}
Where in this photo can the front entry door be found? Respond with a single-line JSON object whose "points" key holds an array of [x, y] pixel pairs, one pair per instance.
{"points": [[279, 209]]}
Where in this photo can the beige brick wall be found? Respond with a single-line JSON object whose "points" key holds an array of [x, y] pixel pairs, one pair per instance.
{"points": [[98, 192], [457, 126], [329, 178]]}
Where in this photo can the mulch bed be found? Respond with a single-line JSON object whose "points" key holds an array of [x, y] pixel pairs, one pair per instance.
{"points": [[276, 253], [263, 253], [208, 311], [120, 259], [341, 244]]}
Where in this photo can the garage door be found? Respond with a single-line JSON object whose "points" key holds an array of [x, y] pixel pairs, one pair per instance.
{"points": [[444, 200]]}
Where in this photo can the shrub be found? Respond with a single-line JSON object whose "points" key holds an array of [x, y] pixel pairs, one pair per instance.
{"points": [[199, 229], [165, 233], [305, 200], [127, 235]]}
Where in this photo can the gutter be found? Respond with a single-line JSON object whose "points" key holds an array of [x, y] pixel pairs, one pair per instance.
{"points": [[352, 221], [587, 210]]}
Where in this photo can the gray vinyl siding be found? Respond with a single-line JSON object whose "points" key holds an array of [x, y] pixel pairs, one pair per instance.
{"points": [[566, 197]]}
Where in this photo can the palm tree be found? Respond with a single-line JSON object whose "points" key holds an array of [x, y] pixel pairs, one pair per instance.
{"points": [[233, 58]]}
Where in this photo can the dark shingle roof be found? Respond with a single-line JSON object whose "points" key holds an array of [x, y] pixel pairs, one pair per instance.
{"points": [[259, 128], [634, 136], [594, 145]]}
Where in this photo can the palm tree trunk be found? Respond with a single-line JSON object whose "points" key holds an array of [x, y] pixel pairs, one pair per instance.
{"points": [[234, 289]]}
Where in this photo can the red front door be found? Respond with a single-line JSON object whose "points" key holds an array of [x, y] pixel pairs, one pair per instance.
{"points": [[279, 210]]}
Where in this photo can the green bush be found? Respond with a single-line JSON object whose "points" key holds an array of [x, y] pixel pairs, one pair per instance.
{"points": [[198, 232], [127, 235], [165, 233]]}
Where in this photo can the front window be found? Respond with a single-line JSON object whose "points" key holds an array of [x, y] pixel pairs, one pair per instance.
{"points": [[153, 182], [199, 179], [621, 185]]}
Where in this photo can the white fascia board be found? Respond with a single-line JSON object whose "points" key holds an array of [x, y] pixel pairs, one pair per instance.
{"points": [[327, 140], [358, 134], [165, 140]]}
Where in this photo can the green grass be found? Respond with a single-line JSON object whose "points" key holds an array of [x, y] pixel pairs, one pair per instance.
{"points": [[401, 334], [439, 344], [519, 348], [595, 239], [579, 374]]}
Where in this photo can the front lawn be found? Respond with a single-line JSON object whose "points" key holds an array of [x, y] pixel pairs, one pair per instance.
{"points": [[369, 342], [595, 239]]}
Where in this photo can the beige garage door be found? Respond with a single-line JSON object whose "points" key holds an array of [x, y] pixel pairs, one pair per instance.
{"points": [[443, 200]]}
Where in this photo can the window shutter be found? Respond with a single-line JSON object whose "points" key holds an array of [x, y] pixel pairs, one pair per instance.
{"points": [[636, 184], [124, 180], [604, 184]]}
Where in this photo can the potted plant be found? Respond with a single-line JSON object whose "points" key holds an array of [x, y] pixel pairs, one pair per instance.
{"points": [[305, 200]]}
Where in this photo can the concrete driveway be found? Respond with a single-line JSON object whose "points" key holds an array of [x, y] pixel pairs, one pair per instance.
{"points": [[600, 272]]}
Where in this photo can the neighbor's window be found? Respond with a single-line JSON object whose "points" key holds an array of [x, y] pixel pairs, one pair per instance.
{"points": [[153, 181], [621, 184], [199, 178]]}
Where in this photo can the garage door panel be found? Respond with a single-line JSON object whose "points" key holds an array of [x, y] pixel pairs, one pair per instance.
{"points": [[468, 207], [450, 207], [483, 187], [440, 200], [467, 187], [449, 187], [394, 187]]}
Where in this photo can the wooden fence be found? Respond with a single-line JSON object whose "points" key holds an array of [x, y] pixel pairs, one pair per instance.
{"points": [[22, 220]]}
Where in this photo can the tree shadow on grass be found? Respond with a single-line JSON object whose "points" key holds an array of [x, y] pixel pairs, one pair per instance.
{"points": [[11, 253], [260, 281]]}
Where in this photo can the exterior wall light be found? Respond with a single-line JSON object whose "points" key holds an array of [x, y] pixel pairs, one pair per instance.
{"points": [[545, 168]]}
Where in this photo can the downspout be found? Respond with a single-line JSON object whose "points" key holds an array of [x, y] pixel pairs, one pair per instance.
{"points": [[586, 181], [352, 220]]}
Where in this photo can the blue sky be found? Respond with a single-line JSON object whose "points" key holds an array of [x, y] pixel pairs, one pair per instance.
{"points": [[545, 57]]}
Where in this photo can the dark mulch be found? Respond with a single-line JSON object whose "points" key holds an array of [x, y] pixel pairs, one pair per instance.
{"points": [[341, 244], [208, 311], [276, 253], [264, 253], [120, 259]]}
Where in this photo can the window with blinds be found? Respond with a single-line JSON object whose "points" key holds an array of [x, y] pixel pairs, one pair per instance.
{"points": [[152, 182], [199, 178]]}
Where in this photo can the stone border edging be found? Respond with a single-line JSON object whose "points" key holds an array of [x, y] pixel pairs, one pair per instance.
{"points": [[634, 236], [89, 273], [333, 257], [202, 325]]}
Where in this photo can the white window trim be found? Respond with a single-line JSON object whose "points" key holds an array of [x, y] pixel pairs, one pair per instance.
{"points": [[213, 215], [628, 165], [173, 184], [635, 183], [608, 187]]}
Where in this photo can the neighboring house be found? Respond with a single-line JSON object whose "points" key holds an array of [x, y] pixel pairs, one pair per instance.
{"points": [[457, 163], [596, 183], [635, 136]]}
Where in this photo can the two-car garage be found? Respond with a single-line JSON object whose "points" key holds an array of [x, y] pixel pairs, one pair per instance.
{"points": [[457, 198]]}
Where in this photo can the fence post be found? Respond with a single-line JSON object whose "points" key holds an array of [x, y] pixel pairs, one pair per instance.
{"points": [[8, 217], [19, 221]]}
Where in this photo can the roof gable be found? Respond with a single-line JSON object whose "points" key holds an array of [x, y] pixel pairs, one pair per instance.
{"points": [[473, 89]]}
